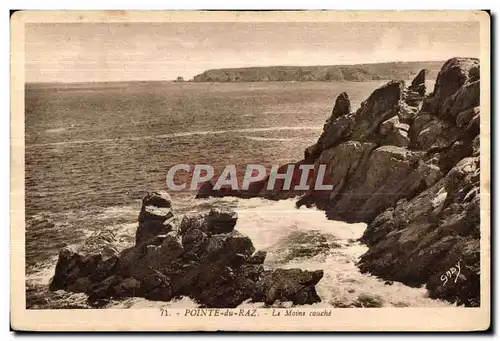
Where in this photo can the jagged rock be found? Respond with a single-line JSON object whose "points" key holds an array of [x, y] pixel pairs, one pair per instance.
{"points": [[419, 79], [221, 220], [407, 113], [156, 216], [362, 125], [455, 73], [312, 152], [336, 129], [475, 146], [382, 104], [465, 98], [341, 162], [436, 134], [385, 161], [418, 83], [464, 118], [194, 241], [336, 132], [431, 173], [413, 99], [388, 125], [419, 122], [102, 290], [390, 173], [398, 137], [257, 258], [81, 285], [204, 259], [129, 287], [342, 106], [205, 190], [419, 240], [285, 285], [473, 128], [95, 259], [396, 133], [304, 244], [402, 126], [413, 219]]}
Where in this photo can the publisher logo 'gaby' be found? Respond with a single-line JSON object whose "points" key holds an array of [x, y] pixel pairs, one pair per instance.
{"points": [[301, 177]]}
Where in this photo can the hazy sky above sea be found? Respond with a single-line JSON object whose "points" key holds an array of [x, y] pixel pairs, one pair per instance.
{"points": [[94, 52]]}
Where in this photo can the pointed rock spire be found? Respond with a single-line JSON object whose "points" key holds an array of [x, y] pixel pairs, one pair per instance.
{"points": [[420, 78], [418, 83], [342, 106]]}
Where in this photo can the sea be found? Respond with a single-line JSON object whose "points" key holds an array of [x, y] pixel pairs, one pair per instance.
{"points": [[93, 150]]}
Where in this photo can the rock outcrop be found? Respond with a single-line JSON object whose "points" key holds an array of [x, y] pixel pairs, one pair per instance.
{"points": [[409, 167], [260, 189], [418, 83], [407, 164], [202, 257], [417, 241]]}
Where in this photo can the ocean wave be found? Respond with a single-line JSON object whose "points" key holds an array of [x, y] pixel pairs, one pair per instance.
{"points": [[173, 135], [290, 236], [277, 139], [55, 130]]}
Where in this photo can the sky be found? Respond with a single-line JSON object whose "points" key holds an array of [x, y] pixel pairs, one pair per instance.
{"points": [[98, 52]]}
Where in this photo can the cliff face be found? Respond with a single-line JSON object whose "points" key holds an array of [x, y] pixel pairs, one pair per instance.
{"points": [[359, 72], [409, 167]]}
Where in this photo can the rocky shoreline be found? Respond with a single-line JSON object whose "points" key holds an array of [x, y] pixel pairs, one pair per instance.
{"points": [[199, 256], [406, 164], [321, 73]]}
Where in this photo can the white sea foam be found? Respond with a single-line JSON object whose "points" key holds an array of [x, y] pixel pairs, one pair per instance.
{"points": [[268, 223], [55, 130], [265, 139]]}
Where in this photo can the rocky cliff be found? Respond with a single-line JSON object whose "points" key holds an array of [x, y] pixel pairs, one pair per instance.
{"points": [[357, 73], [199, 256], [408, 165]]}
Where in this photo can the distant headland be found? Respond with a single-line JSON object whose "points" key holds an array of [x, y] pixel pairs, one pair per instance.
{"points": [[356, 72]]}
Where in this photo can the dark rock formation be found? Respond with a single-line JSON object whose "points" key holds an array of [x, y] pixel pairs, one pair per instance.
{"points": [[336, 128], [342, 106], [201, 257], [418, 240], [408, 165], [156, 216], [388, 174], [455, 74], [418, 83], [260, 188], [382, 104], [284, 285]]}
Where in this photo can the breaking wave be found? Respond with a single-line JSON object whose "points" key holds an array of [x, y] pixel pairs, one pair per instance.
{"points": [[293, 238]]}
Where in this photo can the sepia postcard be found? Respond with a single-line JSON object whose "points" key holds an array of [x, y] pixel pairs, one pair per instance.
{"points": [[250, 171]]}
